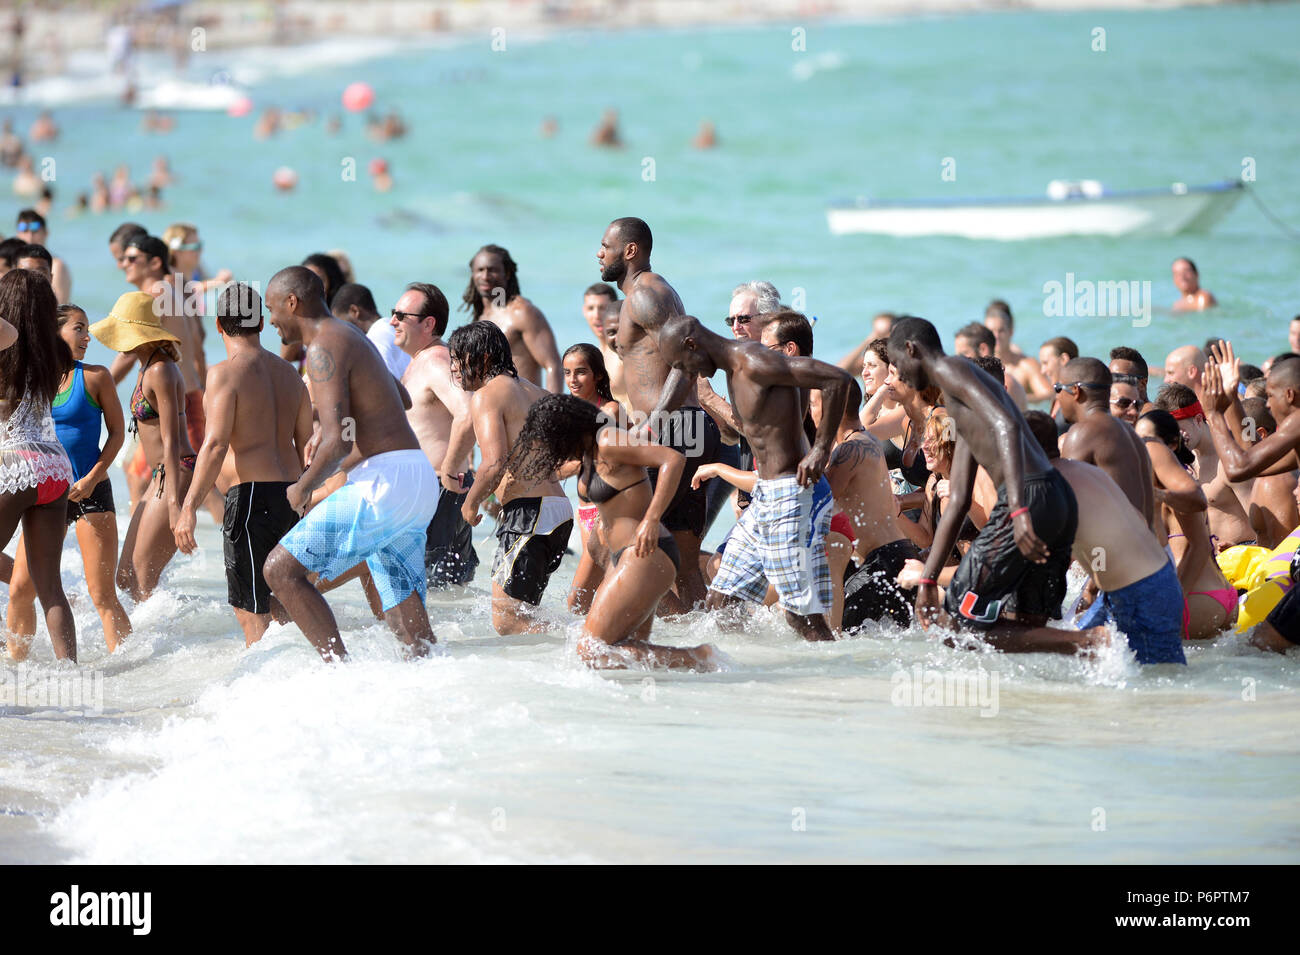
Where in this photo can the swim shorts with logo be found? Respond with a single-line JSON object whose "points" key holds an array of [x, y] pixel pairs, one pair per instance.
{"points": [[380, 516], [994, 574]]}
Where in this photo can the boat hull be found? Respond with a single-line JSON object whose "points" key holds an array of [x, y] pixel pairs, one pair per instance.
{"points": [[1142, 214]]}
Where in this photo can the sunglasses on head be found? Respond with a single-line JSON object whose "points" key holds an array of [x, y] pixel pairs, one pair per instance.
{"points": [[1123, 379], [733, 320]]}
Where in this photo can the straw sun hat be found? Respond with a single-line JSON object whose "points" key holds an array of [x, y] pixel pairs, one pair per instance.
{"points": [[132, 323]]}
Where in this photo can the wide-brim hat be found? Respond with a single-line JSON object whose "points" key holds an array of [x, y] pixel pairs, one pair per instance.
{"points": [[132, 323]]}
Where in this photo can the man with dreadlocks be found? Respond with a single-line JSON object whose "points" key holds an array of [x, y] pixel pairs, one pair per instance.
{"points": [[493, 294], [536, 517], [612, 475]]}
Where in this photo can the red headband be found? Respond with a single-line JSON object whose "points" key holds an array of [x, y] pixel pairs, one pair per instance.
{"points": [[1191, 411]]}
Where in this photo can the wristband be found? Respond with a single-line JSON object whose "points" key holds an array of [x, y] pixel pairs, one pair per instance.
{"points": [[1018, 511], [930, 581]]}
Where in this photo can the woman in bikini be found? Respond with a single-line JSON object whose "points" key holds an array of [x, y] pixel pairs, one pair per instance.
{"points": [[1211, 601], [586, 378], [644, 558], [158, 417], [86, 397], [35, 472]]}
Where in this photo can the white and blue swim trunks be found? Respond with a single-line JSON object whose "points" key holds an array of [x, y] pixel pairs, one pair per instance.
{"points": [[781, 539], [380, 516]]}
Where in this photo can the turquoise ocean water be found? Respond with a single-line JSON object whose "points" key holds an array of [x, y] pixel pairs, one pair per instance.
{"points": [[505, 749]]}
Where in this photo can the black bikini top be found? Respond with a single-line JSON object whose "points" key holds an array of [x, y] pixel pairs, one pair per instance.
{"points": [[597, 489]]}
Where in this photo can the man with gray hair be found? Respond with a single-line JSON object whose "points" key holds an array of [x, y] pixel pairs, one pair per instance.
{"points": [[749, 302]]}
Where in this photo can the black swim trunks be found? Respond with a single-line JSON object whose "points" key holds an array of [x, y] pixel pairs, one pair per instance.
{"points": [[257, 515], [692, 432], [871, 592], [994, 575], [449, 556], [532, 534], [99, 501], [1285, 616]]}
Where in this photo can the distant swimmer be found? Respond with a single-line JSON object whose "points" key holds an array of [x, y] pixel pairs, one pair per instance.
{"points": [[259, 420], [707, 137], [1191, 297], [1138, 587], [1019, 559], [493, 295], [643, 565], [781, 537], [549, 127], [380, 515], [439, 415], [606, 132], [536, 517], [662, 398]]}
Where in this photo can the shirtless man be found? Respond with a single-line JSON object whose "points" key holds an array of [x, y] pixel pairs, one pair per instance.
{"points": [[1229, 521], [1018, 365], [32, 227], [600, 308], [1095, 437], [493, 294], [860, 483], [791, 494], [146, 264], [1021, 555], [1185, 366], [259, 423], [1191, 297], [1274, 454], [663, 398], [380, 515], [1273, 512], [974, 340], [419, 321], [536, 517], [354, 303], [1136, 579]]}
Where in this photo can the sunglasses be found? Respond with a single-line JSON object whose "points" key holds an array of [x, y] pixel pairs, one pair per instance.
{"points": [[128, 259], [403, 316], [733, 320], [1060, 386], [30, 227], [1123, 404], [188, 247]]}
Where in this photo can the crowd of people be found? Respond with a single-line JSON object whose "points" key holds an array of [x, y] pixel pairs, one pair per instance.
{"points": [[902, 484]]}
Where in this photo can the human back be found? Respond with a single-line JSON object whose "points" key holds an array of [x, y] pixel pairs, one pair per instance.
{"points": [[1113, 542], [374, 416], [270, 399]]}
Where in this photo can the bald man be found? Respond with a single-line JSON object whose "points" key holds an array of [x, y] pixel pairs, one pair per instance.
{"points": [[1185, 366]]}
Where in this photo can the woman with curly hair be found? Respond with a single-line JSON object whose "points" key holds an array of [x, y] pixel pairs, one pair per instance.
{"points": [[644, 558], [158, 418], [35, 472]]}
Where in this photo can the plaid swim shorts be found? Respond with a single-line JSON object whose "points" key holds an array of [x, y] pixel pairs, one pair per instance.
{"points": [[380, 516], [781, 539]]}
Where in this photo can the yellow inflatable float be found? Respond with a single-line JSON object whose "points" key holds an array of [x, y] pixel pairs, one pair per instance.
{"points": [[1264, 574]]}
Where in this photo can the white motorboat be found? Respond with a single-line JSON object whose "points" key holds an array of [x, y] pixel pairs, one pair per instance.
{"points": [[1069, 208]]}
